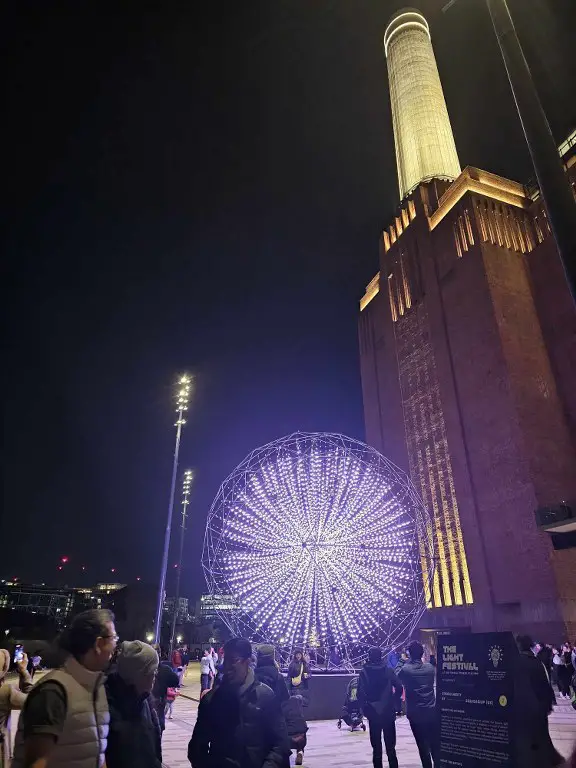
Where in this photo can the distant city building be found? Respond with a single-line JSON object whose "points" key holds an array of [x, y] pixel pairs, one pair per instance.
{"points": [[97, 597], [210, 606], [183, 614], [54, 602], [468, 360]]}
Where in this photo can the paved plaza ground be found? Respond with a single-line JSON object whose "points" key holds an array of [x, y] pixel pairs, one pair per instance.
{"points": [[329, 747]]}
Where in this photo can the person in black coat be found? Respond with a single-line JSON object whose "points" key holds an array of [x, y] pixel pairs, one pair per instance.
{"points": [[267, 672], [239, 722], [293, 711], [134, 738], [165, 678], [379, 692], [534, 701]]}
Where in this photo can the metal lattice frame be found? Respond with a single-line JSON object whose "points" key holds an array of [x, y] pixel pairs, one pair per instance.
{"points": [[321, 542]]}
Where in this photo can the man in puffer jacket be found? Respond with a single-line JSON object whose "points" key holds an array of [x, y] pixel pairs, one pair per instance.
{"points": [[267, 672], [239, 721], [65, 719], [379, 690]]}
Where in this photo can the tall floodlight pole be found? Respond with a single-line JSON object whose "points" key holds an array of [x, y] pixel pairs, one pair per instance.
{"points": [[186, 487], [182, 400], [550, 174]]}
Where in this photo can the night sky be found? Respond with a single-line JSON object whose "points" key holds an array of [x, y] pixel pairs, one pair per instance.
{"points": [[203, 191]]}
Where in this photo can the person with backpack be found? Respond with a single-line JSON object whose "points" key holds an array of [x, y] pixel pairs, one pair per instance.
{"points": [[379, 692]]}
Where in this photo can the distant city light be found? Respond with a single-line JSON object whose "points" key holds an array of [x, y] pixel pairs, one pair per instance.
{"points": [[113, 570], [64, 559], [137, 578], [179, 639], [319, 540], [149, 637]]}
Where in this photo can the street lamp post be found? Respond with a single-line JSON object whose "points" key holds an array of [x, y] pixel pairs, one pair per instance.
{"points": [[186, 487], [182, 399], [552, 179]]}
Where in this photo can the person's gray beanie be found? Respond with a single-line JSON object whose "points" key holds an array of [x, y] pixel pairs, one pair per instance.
{"points": [[135, 660]]}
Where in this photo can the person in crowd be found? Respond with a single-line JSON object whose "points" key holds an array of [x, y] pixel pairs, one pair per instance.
{"points": [[556, 663], [563, 672], [545, 656], [165, 678], [207, 671], [418, 680], [239, 722], [296, 725], [568, 663], [176, 659], [267, 672], [298, 676], [185, 660], [379, 692], [535, 699], [134, 738], [171, 695], [402, 659], [392, 659], [10, 699], [65, 718]]}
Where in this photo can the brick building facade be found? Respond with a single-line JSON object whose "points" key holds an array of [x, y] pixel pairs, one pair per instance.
{"points": [[468, 362]]}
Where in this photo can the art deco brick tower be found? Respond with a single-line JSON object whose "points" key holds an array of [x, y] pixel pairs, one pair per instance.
{"points": [[425, 147], [468, 361]]}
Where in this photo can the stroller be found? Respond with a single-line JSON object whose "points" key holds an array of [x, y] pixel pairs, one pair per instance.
{"points": [[351, 711]]}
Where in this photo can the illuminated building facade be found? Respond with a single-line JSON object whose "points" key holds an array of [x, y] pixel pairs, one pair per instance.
{"points": [[425, 147], [468, 361]]}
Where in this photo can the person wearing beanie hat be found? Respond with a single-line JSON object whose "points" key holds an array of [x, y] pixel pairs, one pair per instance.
{"points": [[10, 699], [267, 672], [134, 738]]}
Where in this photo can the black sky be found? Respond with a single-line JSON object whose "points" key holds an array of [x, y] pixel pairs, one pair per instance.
{"points": [[203, 190]]}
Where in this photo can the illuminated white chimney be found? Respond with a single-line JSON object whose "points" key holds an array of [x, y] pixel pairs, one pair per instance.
{"points": [[423, 137]]}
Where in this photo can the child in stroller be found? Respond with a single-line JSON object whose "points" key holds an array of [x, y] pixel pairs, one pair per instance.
{"points": [[351, 711]]}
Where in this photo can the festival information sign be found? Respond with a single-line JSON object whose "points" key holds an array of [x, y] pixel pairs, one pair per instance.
{"points": [[475, 699]]}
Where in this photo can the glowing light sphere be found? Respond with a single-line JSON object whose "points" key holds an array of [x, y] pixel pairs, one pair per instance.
{"points": [[316, 540]]}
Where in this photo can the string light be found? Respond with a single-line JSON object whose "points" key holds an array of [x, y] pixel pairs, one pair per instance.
{"points": [[321, 542]]}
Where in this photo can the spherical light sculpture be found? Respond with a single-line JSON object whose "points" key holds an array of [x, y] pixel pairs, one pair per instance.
{"points": [[317, 540]]}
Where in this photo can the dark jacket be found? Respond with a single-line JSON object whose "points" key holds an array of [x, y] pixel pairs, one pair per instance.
{"points": [[239, 730], [293, 712], [165, 678], [534, 694], [418, 680], [268, 673], [294, 671], [134, 736], [379, 691]]}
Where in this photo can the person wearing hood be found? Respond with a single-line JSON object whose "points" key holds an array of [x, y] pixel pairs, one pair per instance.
{"points": [[267, 672], [10, 699], [134, 736], [239, 722], [379, 690], [418, 679]]}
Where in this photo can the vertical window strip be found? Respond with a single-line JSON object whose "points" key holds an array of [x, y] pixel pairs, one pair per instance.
{"points": [[513, 223], [391, 298], [481, 221], [457, 241], [407, 294], [468, 226], [528, 231], [462, 233]]}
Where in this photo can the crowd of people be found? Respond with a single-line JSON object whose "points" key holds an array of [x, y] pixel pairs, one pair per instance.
{"points": [[108, 702]]}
